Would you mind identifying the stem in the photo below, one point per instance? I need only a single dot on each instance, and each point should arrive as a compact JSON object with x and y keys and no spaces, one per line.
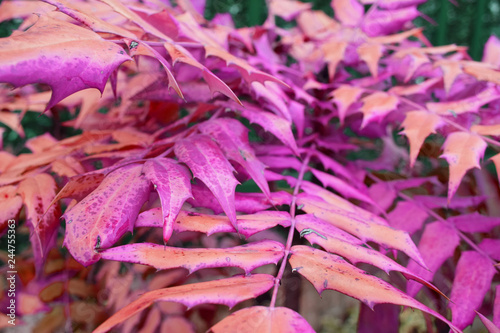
{"x":289,"y":240}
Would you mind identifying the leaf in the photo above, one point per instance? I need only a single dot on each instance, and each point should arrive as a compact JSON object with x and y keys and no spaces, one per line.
{"x":333,"y":53}
{"x":348,"y":12}
{"x":263,"y":319}
{"x":210,"y":224}
{"x":338,"y":242}
{"x":51,"y":47}
{"x":472,"y":281}
{"x":491,"y":247}
{"x":435,"y":249}
{"x":341,"y":186}
{"x":407,"y":216}
{"x":229,"y":291}
{"x":470,"y":104}
{"x":361,"y":225}
{"x":371,"y":53}
{"x":247,"y":257}
{"x":43,"y":219}
{"x":9,"y":206}
{"x":92,"y":21}
{"x":208,"y":164}
{"x":462,"y":150}
{"x":376,"y":106}
{"x":492,"y":328}
{"x":344,"y":96}
{"x":271,"y":123}
{"x":474,"y":222}
{"x":249,"y":73}
{"x":139,"y":48}
{"x":418,"y":125}
{"x":102,"y":217}
{"x":232,"y":138}
{"x":328,"y":271}
{"x":172,"y":182}
{"x":178,"y":53}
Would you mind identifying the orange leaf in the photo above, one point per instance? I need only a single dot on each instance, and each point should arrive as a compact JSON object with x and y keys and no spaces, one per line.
{"x":377,"y":105}
{"x":263,"y":320}
{"x":343,"y":97}
{"x":228,"y":291}
{"x":418,"y":125}
{"x":328,"y":271}
{"x":334,"y":53}
{"x":371,"y":53}
{"x":462,"y":150}
{"x":360,"y":223}
{"x":248,"y":256}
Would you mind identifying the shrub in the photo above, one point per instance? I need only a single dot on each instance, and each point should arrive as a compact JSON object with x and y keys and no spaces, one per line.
{"x":239,"y":159}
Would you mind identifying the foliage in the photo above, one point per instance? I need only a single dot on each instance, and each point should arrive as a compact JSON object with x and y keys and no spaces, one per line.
{"x":225,"y":152}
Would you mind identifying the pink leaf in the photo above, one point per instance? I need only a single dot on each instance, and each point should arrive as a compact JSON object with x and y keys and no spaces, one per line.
{"x":470,"y":104}
{"x":407,"y":216}
{"x":172,"y":182}
{"x":492,"y":328}
{"x":210,"y":224}
{"x":232,"y":137}
{"x":328,"y":271}
{"x":271,"y":123}
{"x":473,"y":277}
{"x":435,"y":249}
{"x":348,"y":12}
{"x":51,"y":47}
{"x":206,"y":161}
{"x":247,"y":257}
{"x":263,"y":319}
{"x":102,"y":217}
{"x":229,"y":291}
{"x":496,"y":307}
{"x":338,"y":242}
{"x":341,"y":186}
{"x":491,"y":247}
{"x":474,"y":222}
{"x":358,"y":223}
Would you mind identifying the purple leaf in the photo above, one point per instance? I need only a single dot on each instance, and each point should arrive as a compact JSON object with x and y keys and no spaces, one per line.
{"x":475,"y":222}
{"x":491,"y":247}
{"x":407,"y":216}
{"x":172,"y":182}
{"x":435,"y":248}
{"x":207,"y":162}
{"x":473,"y":277}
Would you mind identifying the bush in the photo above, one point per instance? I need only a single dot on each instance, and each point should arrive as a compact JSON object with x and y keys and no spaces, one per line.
{"x":244,"y":162}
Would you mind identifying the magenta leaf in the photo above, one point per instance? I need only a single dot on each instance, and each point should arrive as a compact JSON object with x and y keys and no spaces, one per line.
{"x":435,"y":248}
{"x":473,"y":277}
{"x":102,"y":217}
{"x":207,"y":162}
{"x":232,"y":138}
{"x":172,"y":182}
{"x":51,"y":47}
